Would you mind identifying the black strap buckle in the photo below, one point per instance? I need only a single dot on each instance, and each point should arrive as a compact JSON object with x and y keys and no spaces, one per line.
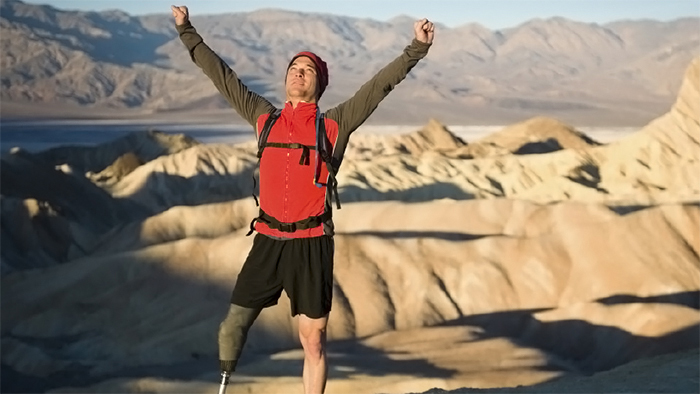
{"x":304,"y":160}
{"x":252,"y":226}
{"x":288,"y":227}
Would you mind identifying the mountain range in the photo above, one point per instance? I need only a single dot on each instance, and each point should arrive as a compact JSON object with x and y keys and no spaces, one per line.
{"x":60,"y":63}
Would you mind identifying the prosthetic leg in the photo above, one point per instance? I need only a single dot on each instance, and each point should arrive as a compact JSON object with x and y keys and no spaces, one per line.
{"x":233,"y":332}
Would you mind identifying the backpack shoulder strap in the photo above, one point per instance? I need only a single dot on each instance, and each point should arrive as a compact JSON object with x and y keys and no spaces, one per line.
{"x":265,"y":132}
{"x":262,"y":141}
{"x":324,"y":152}
{"x":321,"y":146}
{"x":322,"y":142}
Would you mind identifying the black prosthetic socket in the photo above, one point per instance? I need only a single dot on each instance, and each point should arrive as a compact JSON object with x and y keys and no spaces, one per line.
{"x":233,"y":332}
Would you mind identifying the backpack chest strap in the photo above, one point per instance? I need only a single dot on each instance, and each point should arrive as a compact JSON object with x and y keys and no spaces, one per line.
{"x":305,"y":154}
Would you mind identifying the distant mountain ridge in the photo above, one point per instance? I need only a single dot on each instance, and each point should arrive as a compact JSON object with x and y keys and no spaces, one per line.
{"x":624,"y":72}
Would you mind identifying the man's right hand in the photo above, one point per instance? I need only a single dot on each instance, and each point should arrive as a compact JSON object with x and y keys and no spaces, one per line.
{"x":181,"y":14}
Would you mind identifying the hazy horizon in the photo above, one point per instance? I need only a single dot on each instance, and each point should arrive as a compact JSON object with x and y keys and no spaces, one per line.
{"x":494,"y":14}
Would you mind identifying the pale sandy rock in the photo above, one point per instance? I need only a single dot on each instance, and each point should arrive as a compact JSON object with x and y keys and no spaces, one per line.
{"x":536,"y":135}
{"x":180,"y":222}
{"x":199,"y":175}
{"x":120,"y":168}
{"x":432,"y":137}
{"x":539,"y":129}
{"x":657,"y":164}
{"x":666,"y":152}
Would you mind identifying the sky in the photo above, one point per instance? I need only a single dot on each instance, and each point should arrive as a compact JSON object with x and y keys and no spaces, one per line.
{"x":494,"y":14}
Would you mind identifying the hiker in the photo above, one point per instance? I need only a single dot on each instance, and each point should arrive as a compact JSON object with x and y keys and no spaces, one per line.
{"x":300,"y":151}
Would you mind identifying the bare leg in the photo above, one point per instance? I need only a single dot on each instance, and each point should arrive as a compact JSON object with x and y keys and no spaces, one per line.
{"x":312,"y":333}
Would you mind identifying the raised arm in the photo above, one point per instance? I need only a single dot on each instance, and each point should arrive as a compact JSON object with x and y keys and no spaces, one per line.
{"x":353,"y":112}
{"x":248,"y":104}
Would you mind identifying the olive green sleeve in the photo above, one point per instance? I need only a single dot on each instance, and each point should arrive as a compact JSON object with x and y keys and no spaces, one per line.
{"x":248,"y":104}
{"x":352,"y":113}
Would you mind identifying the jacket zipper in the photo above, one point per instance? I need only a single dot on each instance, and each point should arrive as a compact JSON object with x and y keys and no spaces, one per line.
{"x":286,"y":175}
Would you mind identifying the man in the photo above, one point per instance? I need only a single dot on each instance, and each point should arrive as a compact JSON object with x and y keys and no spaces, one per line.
{"x":293,"y":249}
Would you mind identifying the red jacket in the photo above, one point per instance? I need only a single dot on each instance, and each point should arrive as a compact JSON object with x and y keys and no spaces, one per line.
{"x":287,"y":189}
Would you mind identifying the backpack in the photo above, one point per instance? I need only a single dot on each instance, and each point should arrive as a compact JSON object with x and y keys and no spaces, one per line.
{"x":323,"y":149}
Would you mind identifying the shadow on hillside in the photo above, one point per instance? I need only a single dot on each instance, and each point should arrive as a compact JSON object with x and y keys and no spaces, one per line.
{"x":106,"y":144}
{"x":589,"y":347}
{"x":623,"y":210}
{"x":443,"y":235}
{"x":690,"y":299}
{"x":346,"y":358}
{"x":435,"y":191}
{"x":162,"y":191}
{"x":63,"y":203}
{"x":539,"y":147}
{"x":24,"y":176}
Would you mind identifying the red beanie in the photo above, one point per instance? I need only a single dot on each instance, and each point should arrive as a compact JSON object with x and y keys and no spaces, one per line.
{"x":321,"y":70}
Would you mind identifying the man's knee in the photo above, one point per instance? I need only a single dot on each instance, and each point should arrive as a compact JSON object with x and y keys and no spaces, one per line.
{"x":313,"y":341}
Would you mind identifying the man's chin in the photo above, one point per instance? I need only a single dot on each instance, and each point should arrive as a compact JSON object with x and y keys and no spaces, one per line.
{"x":292,"y":92}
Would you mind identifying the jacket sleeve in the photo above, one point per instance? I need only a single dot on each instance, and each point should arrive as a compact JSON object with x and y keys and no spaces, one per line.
{"x":248,"y":104}
{"x":352,"y":113}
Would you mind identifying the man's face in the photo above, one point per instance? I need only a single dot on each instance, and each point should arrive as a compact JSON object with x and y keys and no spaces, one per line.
{"x":301,"y":80}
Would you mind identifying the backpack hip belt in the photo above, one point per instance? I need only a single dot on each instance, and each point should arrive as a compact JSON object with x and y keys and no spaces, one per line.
{"x":289,"y":227}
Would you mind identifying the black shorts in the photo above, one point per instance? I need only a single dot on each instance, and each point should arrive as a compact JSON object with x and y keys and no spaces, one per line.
{"x":303,"y":267}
